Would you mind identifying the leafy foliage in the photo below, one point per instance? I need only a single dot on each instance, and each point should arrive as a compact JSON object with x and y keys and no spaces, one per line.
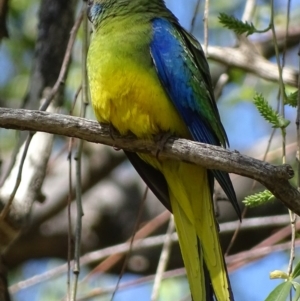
{"x":269,"y":113}
{"x":292,"y":99}
{"x":238,"y":26}
{"x":258,"y":199}
{"x":283,"y":290}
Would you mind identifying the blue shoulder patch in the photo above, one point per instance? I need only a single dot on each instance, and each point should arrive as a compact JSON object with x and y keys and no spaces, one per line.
{"x":173,"y":67}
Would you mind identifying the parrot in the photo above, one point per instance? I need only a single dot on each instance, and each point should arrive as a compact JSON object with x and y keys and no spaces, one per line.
{"x":148,"y":76}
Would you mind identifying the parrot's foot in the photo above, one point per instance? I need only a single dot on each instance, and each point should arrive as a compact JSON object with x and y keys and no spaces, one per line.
{"x":112,"y":130}
{"x":162,"y":140}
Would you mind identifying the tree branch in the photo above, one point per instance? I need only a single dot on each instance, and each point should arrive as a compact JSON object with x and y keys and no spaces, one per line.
{"x":252,"y":62}
{"x":275,"y":178}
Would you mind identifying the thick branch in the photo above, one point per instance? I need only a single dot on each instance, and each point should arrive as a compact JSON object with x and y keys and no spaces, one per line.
{"x":275,"y":178}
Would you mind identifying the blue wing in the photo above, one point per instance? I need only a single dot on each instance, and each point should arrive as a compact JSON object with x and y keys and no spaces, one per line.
{"x":184,"y":73}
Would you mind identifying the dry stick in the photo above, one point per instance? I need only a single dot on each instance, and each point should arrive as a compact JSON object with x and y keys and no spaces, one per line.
{"x":69,"y":200}
{"x":137,"y":223}
{"x":293,"y":216}
{"x":163,"y":261}
{"x":194,"y":16}
{"x":247,"y":16}
{"x":78,"y":157}
{"x":249,"y":10}
{"x":236,"y":232}
{"x":181,"y":272}
{"x":283,"y":100}
{"x":5,"y":210}
{"x":222,"y":81}
{"x":145,"y":231}
{"x":297,"y":124}
{"x":143,"y":280}
{"x":271,"y":240}
{"x":205,"y":20}
{"x":64,"y":67}
{"x":116,"y":252}
{"x":248,"y":256}
{"x":275,"y":178}
{"x":79,"y":211}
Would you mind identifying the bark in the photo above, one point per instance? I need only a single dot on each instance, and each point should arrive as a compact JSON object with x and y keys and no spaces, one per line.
{"x":275,"y":178}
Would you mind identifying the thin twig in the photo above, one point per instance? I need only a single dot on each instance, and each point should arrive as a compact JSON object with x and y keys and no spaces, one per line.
{"x":195,"y":16}
{"x":205,"y":20}
{"x":69,"y":220}
{"x":6,"y":208}
{"x":163,"y":261}
{"x":271,"y":240}
{"x":96,"y":256}
{"x":293,"y":216}
{"x":143,"y":280}
{"x":78,"y":157}
{"x":280,"y":71}
{"x":252,"y":255}
{"x":79,"y":211}
{"x":249,"y":10}
{"x":240,"y":259}
{"x":236,"y":232}
{"x":70,"y":196}
{"x":145,"y":231}
{"x":283,"y":100}
{"x":135,"y":230}
{"x":297,"y":125}
{"x":64,"y":68}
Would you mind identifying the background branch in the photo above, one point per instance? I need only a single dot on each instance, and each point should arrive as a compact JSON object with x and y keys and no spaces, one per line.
{"x":249,"y":61}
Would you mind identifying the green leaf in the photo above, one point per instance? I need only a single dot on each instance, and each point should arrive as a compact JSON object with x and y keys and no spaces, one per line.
{"x":296,"y":271}
{"x":258,"y":199}
{"x":236,"y":25}
{"x":268,"y":113}
{"x":292,"y":99}
{"x":297,"y":289}
{"x":281,"y":292}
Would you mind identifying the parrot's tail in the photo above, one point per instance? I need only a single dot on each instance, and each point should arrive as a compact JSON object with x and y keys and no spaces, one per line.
{"x":192,"y":206}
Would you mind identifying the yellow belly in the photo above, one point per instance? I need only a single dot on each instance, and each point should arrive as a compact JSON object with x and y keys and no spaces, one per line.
{"x":132,"y":99}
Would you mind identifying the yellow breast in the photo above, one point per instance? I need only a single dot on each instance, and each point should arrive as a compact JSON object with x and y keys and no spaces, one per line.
{"x":130,"y":96}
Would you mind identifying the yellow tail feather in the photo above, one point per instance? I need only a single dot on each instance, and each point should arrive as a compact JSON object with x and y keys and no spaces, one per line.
{"x":194,"y":215}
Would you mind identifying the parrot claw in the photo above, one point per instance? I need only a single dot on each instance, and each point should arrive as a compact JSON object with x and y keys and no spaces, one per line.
{"x":112,"y":130}
{"x":162,"y":140}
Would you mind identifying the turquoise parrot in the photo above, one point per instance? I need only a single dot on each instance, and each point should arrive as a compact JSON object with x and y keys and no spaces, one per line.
{"x":149,"y":76}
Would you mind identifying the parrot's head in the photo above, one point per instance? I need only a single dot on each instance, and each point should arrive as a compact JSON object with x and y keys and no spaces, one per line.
{"x":99,"y":10}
